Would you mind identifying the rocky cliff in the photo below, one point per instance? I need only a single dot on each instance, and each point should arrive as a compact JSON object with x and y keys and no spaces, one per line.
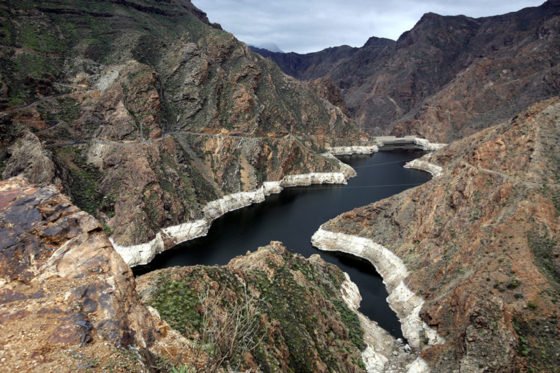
{"x":143,"y":112}
{"x":67,"y":300}
{"x":448,"y":77}
{"x":288,"y":312}
{"x":473,"y":254}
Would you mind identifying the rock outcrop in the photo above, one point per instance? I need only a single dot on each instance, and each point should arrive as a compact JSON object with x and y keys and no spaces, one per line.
{"x":476,"y":248}
{"x":272,"y":310}
{"x":144,"y":113}
{"x":448,"y":77}
{"x":67,"y":300}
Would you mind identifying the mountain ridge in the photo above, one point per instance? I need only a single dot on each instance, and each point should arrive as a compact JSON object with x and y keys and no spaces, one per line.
{"x":417,"y":84}
{"x":480,"y":245}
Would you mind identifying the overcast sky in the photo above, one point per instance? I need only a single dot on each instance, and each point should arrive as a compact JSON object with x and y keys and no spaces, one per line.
{"x":311,"y":25}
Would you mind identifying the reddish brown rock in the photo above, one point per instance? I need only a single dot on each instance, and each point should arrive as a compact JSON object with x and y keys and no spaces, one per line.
{"x":481,"y":244}
{"x":446,"y":78}
{"x":67,"y":300}
{"x":270,"y":310}
{"x":150,"y":112}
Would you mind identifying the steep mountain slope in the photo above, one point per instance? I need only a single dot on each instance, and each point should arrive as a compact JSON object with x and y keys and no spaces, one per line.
{"x":69,"y":303}
{"x":143,"y":112}
{"x":480,"y":245}
{"x":312,"y":65}
{"x":447,"y":77}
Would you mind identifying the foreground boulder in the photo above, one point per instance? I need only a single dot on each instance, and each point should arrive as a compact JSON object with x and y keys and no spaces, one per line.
{"x":67,"y":299}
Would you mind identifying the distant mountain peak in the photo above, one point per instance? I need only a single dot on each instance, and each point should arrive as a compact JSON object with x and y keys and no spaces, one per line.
{"x":430,"y":15}
{"x":375,"y":41}
{"x":425,"y":81}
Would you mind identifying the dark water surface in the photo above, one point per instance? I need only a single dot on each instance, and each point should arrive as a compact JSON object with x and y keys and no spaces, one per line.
{"x":294,"y":215}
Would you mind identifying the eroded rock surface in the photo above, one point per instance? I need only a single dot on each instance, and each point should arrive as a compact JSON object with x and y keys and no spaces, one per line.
{"x":290,"y":312}
{"x":480,"y":245}
{"x":143,"y":112}
{"x":67,"y":299}
{"x":68,"y":302}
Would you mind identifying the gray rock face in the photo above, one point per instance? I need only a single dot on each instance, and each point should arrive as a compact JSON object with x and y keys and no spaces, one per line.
{"x":29,"y":158}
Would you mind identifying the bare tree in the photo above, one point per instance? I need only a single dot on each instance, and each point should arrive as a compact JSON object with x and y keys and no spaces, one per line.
{"x":229,"y":329}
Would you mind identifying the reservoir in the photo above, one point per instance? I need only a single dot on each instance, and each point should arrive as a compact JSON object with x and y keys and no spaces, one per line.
{"x":294,"y":215}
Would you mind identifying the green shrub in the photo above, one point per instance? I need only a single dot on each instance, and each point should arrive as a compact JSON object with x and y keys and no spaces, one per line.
{"x":545,"y":252}
{"x":177,"y":304}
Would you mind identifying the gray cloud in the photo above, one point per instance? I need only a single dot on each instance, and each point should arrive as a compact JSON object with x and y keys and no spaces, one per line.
{"x":311,"y":25}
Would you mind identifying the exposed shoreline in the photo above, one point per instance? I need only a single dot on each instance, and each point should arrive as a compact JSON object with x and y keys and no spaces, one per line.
{"x":383,"y":351}
{"x":423,"y":165}
{"x":401,"y":299}
{"x":353,"y":150}
{"x":168,"y":237}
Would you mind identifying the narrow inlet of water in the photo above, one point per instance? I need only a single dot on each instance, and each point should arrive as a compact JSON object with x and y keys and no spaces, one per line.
{"x":294,"y":215}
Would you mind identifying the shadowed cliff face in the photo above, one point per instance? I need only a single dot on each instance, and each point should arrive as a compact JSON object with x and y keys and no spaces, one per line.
{"x":481,"y":245}
{"x":447,"y":77}
{"x":143,"y":112}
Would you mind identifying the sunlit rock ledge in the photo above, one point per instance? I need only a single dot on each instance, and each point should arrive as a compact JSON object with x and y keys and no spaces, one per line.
{"x":402,"y":300}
